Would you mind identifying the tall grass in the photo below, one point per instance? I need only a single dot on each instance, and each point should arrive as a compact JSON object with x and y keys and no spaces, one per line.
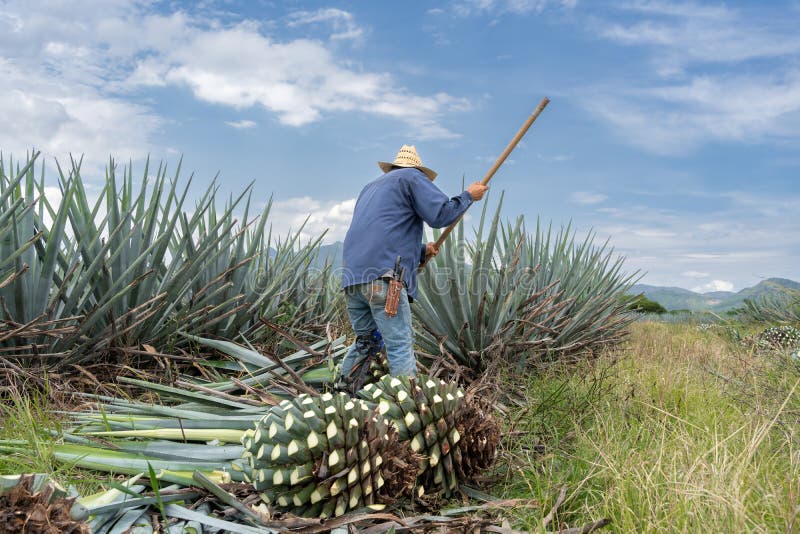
{"x":666,"y":447}
{"x":28,"y":423}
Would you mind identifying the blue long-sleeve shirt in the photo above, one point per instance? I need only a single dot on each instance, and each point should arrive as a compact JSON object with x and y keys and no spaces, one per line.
{"x":387,"y":222}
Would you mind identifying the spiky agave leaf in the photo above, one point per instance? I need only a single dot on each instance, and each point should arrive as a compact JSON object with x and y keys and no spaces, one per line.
{"x":263,"y":371}
{"x":32,"y":257}
{"x":322,"y":456}
{"x":518,"y":295}
{"x":455,"y":436}
{"x":13,"y":207}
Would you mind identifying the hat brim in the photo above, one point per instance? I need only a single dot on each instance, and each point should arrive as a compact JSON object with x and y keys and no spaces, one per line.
{"x":386,"y":167}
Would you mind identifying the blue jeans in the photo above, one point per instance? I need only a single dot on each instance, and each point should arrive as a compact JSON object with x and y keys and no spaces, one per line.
{"x":365,"y":303}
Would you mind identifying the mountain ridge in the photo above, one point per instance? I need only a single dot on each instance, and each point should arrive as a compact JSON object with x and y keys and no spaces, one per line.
{"x":678,"y":298}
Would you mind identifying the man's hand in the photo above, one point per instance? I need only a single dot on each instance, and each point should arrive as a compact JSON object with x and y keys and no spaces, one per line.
{"x":431,"y":250}
{"x":477,"y":190}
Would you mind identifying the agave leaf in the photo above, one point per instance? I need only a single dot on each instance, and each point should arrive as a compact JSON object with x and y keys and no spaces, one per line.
{"x":182,"y":394}
{"x":188,"y":434}
{"x":108,"y":461}
{"x":141,"y":501}
{"x":237,"y":351}
{"x":52,"y":250}
{"x":104,"y":498}
{"x":223,"y":495}
{"x":173,"y":510}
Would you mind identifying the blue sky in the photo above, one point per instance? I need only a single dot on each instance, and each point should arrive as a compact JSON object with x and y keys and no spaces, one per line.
{"x":673,"y":130}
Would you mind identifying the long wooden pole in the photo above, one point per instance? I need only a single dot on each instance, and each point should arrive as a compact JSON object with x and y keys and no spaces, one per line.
{"x":500,"y":160}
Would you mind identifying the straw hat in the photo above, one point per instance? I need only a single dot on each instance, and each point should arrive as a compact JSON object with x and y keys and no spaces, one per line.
{"x":407,"y":157}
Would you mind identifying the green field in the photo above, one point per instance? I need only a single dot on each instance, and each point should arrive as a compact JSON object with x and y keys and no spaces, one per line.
{"x":677,"y":431}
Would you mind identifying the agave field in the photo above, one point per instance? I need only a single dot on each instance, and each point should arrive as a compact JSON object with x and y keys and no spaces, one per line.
{"x":166,"y":354}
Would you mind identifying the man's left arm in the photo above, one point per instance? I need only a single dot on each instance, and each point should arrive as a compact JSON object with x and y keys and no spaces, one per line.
{"x":428,"y":251}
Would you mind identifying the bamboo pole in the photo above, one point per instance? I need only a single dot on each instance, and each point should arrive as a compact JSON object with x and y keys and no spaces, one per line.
{"x":500,"y":160}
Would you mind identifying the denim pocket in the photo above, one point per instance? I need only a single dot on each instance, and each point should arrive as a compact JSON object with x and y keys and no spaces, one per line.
{"x":377,"y":292}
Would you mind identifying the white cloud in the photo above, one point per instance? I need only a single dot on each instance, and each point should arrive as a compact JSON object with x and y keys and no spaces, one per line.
{"x":333,"y":216}
{"x":739,"y":241}
{"x":490,"y":160}
{"x":61,"y":67}
{"x":653,"y":233}
{"x":705,"y":84}
{"x":714,"y":285}
{"x":298,"y":80}
{"x":587,"y":197}
{"x":689,"y":32}
{"x":470,"y":7}
{"x":555,"y":158}
{"x":63,"y":119}
{"x":243,"y":124}
{"x":72,"y":72}
{"x":342,"y":22}
{"x":675,"y":118}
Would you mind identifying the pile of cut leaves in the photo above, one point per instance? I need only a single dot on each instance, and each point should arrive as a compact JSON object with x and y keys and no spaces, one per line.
{"x":271,"y":451}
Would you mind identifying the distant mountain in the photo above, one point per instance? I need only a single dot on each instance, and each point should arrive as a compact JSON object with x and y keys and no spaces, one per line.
{"x":676,"y":298}
{"x":769,"y":285}
{"x":721,"y":295}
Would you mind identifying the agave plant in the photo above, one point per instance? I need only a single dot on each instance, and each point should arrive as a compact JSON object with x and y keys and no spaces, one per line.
{"x":779,"y":307}
{"x":317,"y":297}
{"x":136,"y":265}
{"x":586,"y":284}
{"x":31,"y":258}
{"x":774,"y":338}
{"x":510,"y":293}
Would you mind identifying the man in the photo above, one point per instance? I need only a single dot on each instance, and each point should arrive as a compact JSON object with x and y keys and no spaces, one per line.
{"x":387,"y":223}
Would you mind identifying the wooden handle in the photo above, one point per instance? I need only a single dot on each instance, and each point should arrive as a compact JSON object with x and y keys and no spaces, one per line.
{"x":500,"y":160}
{"x":517,"y":138}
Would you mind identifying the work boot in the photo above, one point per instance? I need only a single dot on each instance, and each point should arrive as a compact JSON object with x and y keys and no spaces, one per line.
{"x":370,"y":345}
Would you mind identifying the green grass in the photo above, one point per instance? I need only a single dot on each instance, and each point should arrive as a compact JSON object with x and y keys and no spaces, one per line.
{"x":27,"y":421}
{"x":681,"y":434}
{"x":23,"y":420}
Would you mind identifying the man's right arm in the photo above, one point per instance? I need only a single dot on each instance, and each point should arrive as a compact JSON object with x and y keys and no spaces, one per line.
{"x":434,"y":207}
